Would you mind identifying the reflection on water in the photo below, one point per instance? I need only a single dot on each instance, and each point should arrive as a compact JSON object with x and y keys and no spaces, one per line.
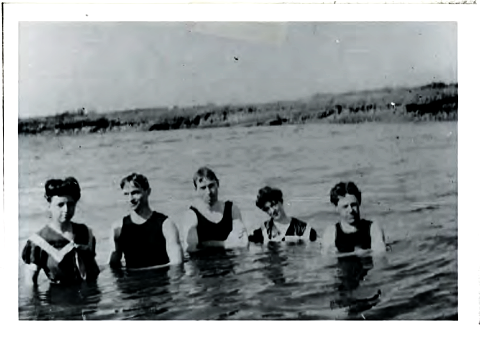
{"x":274,"y":262}
{"x":351,"y":272}
{"x":146,"y":293}
{"x":212,"y":262}
{"x":59,"y":302}
{"x":407,"y":173}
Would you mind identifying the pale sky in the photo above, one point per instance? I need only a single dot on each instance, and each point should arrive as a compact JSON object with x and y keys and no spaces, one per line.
{"x":112,"y":66}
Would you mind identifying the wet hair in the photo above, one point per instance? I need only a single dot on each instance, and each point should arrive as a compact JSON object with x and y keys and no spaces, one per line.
{"x":268,"y":194}
{"x":204,"y":173}
{"x":139,"y":181}
{"x":58,"y":187}
{"x":343,"y":188}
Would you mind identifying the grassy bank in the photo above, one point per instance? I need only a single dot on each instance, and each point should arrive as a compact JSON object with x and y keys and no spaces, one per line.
{"x":432,"y":102}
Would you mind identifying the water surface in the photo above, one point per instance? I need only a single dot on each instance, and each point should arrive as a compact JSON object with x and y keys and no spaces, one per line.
{"x":406,"y":172}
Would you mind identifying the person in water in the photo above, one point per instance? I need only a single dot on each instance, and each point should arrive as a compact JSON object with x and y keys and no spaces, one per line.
{"x":351,"y":233}
{"x":280,"y":226}
{"x":63,"y":249}
{"x":211,"y":222}
{"x":145,"y":238}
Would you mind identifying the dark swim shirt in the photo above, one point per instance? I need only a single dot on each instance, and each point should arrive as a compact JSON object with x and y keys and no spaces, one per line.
{"x":144,"y":245}
{"x":210,"y":231}
{"x":296,"y":228}
{"x":347,"y":242}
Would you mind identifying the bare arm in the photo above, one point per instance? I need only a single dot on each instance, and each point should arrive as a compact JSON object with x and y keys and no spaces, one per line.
{"x":31,"y":274}
{"x":174,"y":249}
{"x":191,"y":239}
{"x":327,"y":241}
{"x":116,"y":255}
{"x":238,"y":236}
{"x":378,"y":244}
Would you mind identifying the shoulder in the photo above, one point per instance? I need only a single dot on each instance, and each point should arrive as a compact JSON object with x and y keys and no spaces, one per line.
{"x":378,"y":240}
{"x":229,"y":203}
{"x":298,"y":222}
{"x":120,"y":221}
{"x":116,"y":227}
{"x":329,"y":231}
{"x":168,"y":221}
{"x":373,"y":225}
{"x":33,"y":249}
{"x":376,"y":229}
{"x":81,"y":228}
{"x":190,"y":217}
{"x":45,"y":232}
{"x":297,"y":227}
{"x":160,"y":217}
{"x":235,"y":209}
{"x":168,"y":226}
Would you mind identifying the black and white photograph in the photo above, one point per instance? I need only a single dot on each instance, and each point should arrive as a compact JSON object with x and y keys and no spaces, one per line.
{"x":251,"y":170}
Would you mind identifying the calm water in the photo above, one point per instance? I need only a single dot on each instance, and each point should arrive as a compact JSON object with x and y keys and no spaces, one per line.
{"x":407,"y":173}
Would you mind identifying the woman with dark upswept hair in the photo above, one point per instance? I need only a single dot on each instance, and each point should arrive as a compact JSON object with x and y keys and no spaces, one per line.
{"x":63,"y":249}
{"x":280,"y":226}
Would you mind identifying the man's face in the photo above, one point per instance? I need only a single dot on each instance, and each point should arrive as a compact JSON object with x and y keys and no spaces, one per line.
{"x":207,"y":190}
{"x":136,"y":196}
{"x":348,"y":208}
{"x":273,"y":209}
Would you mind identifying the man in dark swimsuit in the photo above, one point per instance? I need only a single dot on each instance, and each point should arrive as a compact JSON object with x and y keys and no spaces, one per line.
{"x":212,"y":222}
{"x":280,"y":227}
{"x":144,"y":237}
{"x":352,"y":233}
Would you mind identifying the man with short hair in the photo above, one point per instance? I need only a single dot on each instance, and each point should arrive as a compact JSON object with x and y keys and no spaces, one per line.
{"x":145,"y":238}
{"x":352,"y":233}
{"x":211,"y":222}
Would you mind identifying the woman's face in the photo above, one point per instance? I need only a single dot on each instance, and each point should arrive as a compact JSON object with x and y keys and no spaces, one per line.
{"x":274,"y":209}
{"x":62,"y":208}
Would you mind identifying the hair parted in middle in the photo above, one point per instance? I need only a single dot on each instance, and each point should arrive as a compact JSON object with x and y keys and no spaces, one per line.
{"x":204,"y":173}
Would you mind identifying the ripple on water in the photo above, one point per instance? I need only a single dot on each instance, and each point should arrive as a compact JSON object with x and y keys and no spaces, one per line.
{"x":408,"y":182}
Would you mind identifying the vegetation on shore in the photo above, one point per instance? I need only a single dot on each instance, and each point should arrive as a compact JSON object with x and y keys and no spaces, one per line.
{"x":433,"y":102}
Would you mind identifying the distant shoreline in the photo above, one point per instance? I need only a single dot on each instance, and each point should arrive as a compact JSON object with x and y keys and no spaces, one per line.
{"x":433,"y":102}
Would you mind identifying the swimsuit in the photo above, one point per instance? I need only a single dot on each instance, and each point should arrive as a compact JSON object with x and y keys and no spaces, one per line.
{"x":144,"y":245}
{"x":63,"y":260}
{"x":296,"y":228}
{"x":347,"y":242}
{"x":210,"y":231}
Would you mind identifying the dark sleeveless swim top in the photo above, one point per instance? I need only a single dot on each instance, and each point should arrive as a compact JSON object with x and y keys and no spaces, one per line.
{"x":296,"y":228}
{"x":210,"y":231}
{"x":144,"y":245}
{"x":347,"y":242}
